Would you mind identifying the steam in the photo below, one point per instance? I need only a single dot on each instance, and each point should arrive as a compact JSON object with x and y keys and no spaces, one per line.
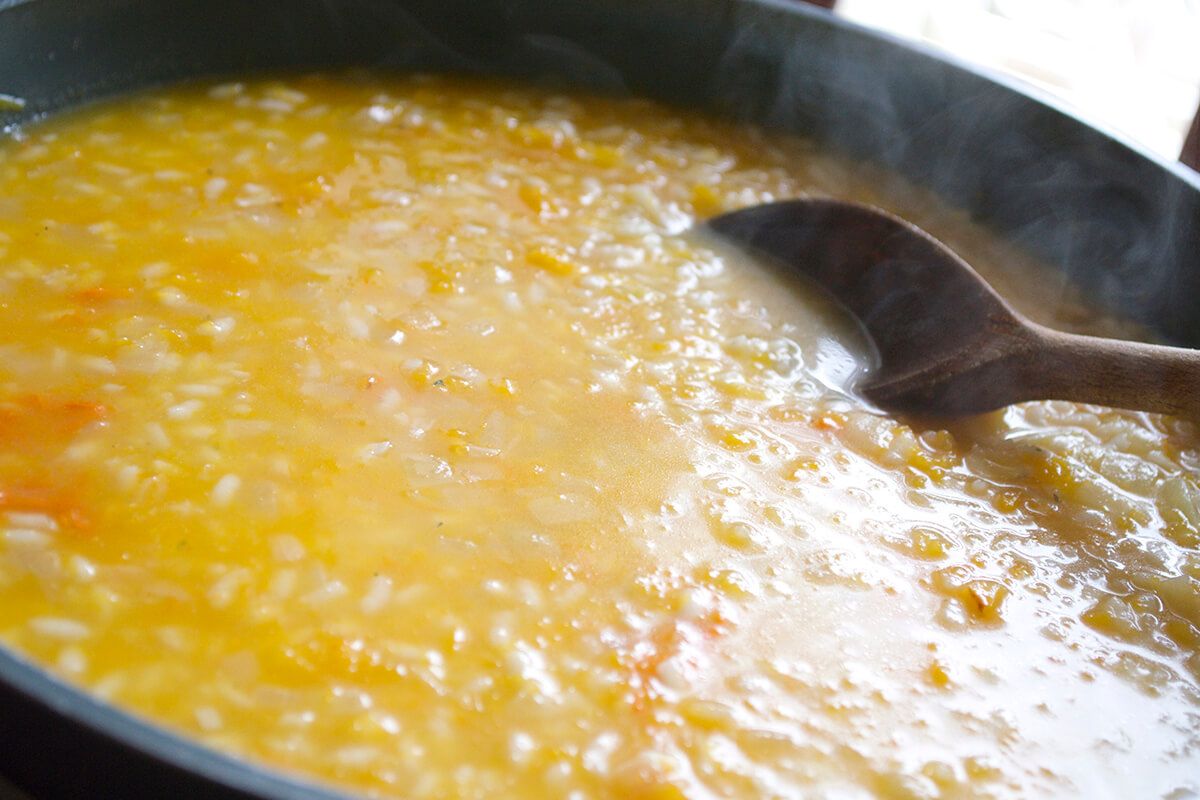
{"x":1115,"y":223}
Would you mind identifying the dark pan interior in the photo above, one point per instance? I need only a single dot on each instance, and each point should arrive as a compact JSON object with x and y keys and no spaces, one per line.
{"x":1120,"y":223}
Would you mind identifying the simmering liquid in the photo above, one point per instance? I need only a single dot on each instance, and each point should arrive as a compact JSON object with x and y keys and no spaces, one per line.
{"x":406,"y":435}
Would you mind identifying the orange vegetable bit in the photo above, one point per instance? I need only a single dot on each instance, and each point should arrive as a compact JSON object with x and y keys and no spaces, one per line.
{"x":98,"y":295}
{"x":664,"y":642}
{"x":35,"y":426}
{"x":36,"y":421}
{"x":62,"y":504}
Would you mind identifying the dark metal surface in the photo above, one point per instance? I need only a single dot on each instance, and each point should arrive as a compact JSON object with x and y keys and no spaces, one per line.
{"x":10,"y":792}
{"x":56,"y":742}
{"x":1123,"y":224}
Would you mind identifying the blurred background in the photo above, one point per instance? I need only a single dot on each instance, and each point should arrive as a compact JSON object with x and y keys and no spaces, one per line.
{"x":1130,"y":66}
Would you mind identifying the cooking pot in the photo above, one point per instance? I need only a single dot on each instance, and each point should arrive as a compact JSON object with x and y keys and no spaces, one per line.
{"x":1122,"y":223}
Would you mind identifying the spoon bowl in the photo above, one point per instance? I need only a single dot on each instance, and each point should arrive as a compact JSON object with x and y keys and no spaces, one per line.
{"x":948,"y":344}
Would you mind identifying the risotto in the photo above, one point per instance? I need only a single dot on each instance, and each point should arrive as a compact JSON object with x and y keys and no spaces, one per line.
{"x":406,"y":435}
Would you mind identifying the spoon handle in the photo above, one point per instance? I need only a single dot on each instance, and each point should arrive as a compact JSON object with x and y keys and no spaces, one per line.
{"x":1116,"y":373}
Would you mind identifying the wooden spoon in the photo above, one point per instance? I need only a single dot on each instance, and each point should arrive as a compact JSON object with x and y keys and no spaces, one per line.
{"x":947,"y":343}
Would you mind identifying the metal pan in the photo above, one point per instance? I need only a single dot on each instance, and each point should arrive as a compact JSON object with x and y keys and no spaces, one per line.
{"x":1122,"y":223}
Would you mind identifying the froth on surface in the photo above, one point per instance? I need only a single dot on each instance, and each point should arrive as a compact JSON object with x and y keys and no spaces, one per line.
{"x":404,"y":434}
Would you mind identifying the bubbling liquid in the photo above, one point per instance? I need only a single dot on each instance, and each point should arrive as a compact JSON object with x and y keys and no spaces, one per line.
{"x":405,"y":434}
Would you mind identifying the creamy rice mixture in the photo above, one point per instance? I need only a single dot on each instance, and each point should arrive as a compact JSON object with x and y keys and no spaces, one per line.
{"x":403,"y":433}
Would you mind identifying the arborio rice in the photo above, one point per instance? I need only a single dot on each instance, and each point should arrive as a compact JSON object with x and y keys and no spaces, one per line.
{"x":404,"y":434}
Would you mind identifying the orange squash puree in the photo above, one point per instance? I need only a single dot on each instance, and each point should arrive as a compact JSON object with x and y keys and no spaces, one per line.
{"x":404,"y":434}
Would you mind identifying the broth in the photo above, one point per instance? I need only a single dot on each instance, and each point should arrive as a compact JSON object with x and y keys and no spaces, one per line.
{"x":403,"y":433}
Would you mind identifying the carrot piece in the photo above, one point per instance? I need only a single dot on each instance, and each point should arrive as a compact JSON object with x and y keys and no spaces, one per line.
{"x":95,"y":295}
{"x":37,"y":426}
{"x":35,"y":420}
{"x":61,"y":504}
{"x":664,"y":642}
